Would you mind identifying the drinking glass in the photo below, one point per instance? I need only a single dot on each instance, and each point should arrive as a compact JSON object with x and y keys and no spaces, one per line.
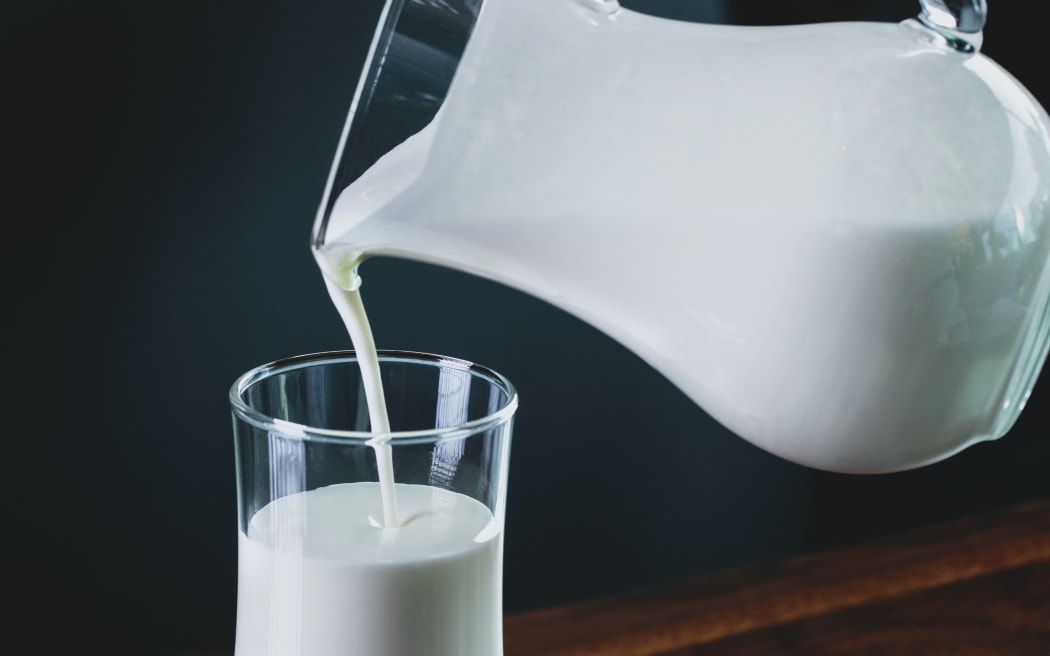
{"x":325,"y":567}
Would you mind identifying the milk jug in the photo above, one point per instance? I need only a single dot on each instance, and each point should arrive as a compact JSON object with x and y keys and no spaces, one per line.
{"x":835,"y":238}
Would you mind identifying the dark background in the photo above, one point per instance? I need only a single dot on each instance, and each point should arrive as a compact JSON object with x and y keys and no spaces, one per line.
{"x":168,"y":160}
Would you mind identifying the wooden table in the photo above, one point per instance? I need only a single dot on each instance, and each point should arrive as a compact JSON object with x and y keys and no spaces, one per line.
{"x":976,"y":586}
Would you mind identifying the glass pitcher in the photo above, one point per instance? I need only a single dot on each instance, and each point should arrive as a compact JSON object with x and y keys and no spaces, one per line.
{"x":835,"y":238}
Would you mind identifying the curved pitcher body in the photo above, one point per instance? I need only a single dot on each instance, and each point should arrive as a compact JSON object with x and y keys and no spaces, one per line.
{"x":834,"y":238}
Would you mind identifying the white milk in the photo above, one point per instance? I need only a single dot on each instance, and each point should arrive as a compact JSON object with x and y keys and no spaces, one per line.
{"x":834,"y":238}
{"x":317,"y":577}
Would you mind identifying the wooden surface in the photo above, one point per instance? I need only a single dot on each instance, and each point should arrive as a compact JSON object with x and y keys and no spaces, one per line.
{"x":978,"y":586}
{"x":975,"y":586}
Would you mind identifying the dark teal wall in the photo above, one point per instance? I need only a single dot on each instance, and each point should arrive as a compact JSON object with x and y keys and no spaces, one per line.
{"x":174,"y":155}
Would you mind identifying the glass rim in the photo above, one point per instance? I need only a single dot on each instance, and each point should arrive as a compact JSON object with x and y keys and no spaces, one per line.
{"x":312,"y":433}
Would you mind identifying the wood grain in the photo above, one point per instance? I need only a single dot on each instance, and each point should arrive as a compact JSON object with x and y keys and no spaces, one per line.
{"x":979,"y":585}
{"x":1004,"y":613}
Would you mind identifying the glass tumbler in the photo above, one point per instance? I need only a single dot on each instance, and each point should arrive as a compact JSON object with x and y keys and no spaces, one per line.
{"x":335,"y":560}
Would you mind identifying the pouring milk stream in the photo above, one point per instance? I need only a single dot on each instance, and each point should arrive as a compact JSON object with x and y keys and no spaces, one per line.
{"x":834,"y":238}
